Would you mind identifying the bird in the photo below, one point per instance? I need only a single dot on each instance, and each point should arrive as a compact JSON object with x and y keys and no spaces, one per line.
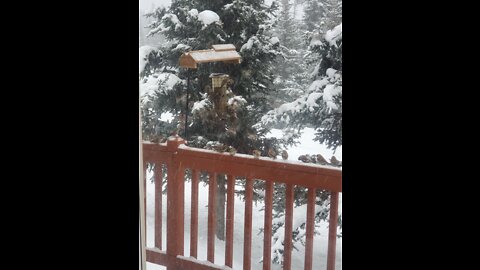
{"x":321,"y":159}
{"x":208,"y":89}
{"x":256,"y":154}
{"x":232,"y":150}
{"x":303,"y":158}
{"x":335,"y":161}
{"x":220,"y":148}
{"x":272,"y":153}
{"x":284,"y":155}
{"x":156,"y":139}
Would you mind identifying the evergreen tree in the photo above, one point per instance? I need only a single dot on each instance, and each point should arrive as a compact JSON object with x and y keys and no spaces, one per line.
{"x":192,"y":25}
{"x":322,"y":15}
{"x":290,"y":71}
{"x":313,"y":14}
{"x":319,"y":107}
{"x":333,"y":14}
{"x":321,"y":104}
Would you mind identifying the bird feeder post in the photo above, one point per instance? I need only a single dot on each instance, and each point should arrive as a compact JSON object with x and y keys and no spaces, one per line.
{"x":186,"y":103}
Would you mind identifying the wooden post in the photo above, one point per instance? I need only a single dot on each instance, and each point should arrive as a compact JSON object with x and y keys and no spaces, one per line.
{"x":175,"y":201}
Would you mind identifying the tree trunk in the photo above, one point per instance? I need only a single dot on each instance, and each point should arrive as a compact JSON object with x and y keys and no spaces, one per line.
{"x":220,"y":207}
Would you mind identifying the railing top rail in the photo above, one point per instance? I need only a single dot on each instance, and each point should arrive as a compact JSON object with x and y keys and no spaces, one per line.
{"x":261,"y":161}
{"x":305,"y":174}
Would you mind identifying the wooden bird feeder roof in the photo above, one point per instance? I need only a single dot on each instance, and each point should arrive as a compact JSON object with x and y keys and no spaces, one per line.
{"x":219,"y":53}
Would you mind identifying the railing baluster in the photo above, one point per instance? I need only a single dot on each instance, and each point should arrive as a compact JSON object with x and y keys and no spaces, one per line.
{"x":267,"y":232}
{"x":211,"y":217}
{"x":158,"y":205}
{"x":194,"y":216}
{"x":287,"y":242}
{"x":247,"y":236}
{"x":310,"y":228}
{"x":332,"y":231}
{"x":230,"y":220}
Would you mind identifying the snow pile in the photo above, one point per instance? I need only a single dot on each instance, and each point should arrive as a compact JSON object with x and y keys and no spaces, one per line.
{"x":249,"y":44}
{"x":193,"y":12}
{"x":208,"y":17}
{"x":148,"y":86}
{"x":163,"y":82}
{"x":317,"y":85}
{"x":305,"y":102}
{"x":182,"y":47}
{"x":274,"y":40}
{"x":316,"y":40}
{"x":329,"y":93}
{"x":220,"y":38}
{"x":236,"y":101}
{"x":227,"y":6}
{"x":159,"y":28}
{"x":201,"y":105}
{"x":331,"y":72}
{"x":143,"y":53}
{"x":169,"y":80}
{"x":333,"y":35}
{"x":312,"y":100}
{"x":174,"y":19}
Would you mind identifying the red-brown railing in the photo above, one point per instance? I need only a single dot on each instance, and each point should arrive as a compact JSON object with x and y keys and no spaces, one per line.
{"x":177,"y":157}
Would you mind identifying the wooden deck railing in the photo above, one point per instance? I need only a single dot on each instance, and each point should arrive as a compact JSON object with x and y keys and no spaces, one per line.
{"x":177,"y":157}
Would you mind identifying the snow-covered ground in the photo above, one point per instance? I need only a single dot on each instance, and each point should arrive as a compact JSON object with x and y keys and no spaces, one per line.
{"x":307,"y":146}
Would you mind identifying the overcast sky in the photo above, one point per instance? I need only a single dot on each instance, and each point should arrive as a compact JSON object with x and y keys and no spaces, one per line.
{"x":146,"y":4}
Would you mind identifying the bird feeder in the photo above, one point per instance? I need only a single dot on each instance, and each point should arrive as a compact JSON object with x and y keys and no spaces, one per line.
{"x":218,"y":80}
{"x":219,"y":53}
{"x":225,"y":53}
{"x":220,"y":83}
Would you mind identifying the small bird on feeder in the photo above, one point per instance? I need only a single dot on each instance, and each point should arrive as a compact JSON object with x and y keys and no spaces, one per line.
{"x":272,"y":153}
{"x":256,"y":154}
{"x":284,"y":155}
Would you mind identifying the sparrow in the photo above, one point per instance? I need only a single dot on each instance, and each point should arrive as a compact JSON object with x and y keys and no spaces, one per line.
{"x":156,"y":139}
{"x":272,"y":153}
{"x":232,"y":150}
{"x":220,"y":148}
{"x":284,"y":155}
{"x":303,"y":158}
{"x":321,"y":159}
{"x":256,"y":154}
{"x":335,"y":161}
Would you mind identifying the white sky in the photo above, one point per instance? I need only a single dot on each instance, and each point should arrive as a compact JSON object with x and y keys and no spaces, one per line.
{"x":147,"y":4}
